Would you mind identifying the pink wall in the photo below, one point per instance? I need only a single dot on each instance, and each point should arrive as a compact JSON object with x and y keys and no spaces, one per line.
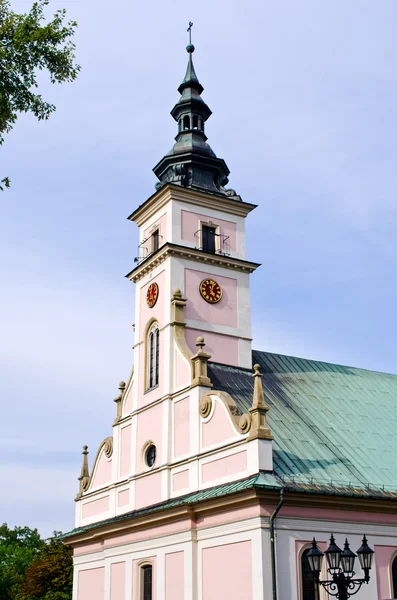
{"x":383,"y":558}
{"x":91,"y":584}
{"x":180,"y":481}
{"x":222,"y":313}
{"x":117,"y":581}
{"x":227,"y":572}
{"x":149,"y":427}
{"x":234,"y":516}
{"x":230,"y":465}
{"x":182,"y":427}
{"x":123,"y":498}
{"x":174,"y":576}
{"x":125,"y":457}
{"x":183,"y":372}
{"x":96,"y":507}
{"x":219,"y":428}
{"x":148,"y":490}
{"x":161,"y":224}
{"x":337,"y":515}
{"x":127,"y":403}
{"x":222,"y":348}
{"x":87,"y":548}
{"x":191,"y":223}
{"x":103,"y":471}
{"x":148,"y":533}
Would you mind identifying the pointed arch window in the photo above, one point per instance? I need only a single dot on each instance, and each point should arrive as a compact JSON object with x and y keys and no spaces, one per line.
{"x":394,"y":576}
{"x":153,"y":356}
{"x":309,"y":590}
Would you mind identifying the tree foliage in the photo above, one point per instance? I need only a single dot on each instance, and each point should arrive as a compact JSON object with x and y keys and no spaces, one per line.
{"x":50,"y":576}
{"x":32,"y":568}
{"x":29,"y":44}
{"x":18,"y":548}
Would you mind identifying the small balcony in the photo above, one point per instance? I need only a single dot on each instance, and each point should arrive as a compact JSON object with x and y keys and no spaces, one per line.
{"x":209,"y":240}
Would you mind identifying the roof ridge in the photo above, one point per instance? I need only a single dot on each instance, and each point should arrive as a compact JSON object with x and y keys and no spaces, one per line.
{"x":324,"y":362}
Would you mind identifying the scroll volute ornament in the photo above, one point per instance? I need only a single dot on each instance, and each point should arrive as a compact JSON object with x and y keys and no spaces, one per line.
{"x":108,"y":447}
{"x":241,"y":421}
{"x":205,"y":406}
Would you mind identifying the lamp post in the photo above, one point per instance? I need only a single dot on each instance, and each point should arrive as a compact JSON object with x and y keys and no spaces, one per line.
{"x":340,"y":567}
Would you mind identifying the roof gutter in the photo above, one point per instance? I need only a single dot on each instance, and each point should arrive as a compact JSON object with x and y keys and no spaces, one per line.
{"x":272,"y":543}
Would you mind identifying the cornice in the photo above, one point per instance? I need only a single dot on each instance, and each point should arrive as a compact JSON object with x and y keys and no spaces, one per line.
{"x":169,"y":249}
{"x":167,"y":516}
{"x":187,"y":195}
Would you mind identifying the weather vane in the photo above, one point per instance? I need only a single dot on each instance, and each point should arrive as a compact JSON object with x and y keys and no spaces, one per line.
{"x":190,"y":31}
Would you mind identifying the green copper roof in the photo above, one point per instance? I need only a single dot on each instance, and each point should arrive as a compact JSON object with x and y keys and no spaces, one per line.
{"x":334,"y":427}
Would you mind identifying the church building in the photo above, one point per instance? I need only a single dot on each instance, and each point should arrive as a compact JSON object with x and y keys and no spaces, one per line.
{"x":225,"y":462}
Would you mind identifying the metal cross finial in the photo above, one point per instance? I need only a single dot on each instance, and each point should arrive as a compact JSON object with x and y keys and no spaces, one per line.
{"x":190,"y":31}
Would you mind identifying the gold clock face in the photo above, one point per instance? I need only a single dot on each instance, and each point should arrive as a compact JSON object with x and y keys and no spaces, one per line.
{"x":152,"y":294}
{"x":211,"y":291}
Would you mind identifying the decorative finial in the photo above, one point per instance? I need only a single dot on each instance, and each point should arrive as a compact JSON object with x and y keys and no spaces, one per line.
{"x":84,"y":478}
{"x":122,"y":386}
{"x":200,"y":342}
{"x":177,"y":293}
{"x":258,"y":410}
{"x":190,"y":47}
{"x":199,"y":361}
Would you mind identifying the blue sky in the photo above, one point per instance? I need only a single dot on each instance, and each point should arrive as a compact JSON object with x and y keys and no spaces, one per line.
{"x":303,"y":96}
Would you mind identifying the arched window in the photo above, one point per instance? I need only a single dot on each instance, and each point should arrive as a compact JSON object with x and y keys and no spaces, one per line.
{"x":153,"y":355}
{"x":394,"y":576}
{"x":309,"y":588}
{"x":186,"y":122}
{"x":147,"y":582}
{"x":195,"y":122}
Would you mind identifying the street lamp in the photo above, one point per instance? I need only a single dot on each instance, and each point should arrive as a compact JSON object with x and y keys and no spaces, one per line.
{"x":340,"y":567}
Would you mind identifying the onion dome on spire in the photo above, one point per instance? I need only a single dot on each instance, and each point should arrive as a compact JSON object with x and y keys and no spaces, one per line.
{"x":191,"y":162}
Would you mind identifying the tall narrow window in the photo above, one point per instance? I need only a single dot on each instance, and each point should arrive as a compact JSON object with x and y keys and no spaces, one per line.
{"x":208,"y":238}
{"x":155,"y":240}
{"x":195,"y":122}
{"x":147,"y":582}
{"x":153,"y":356}
{"x":186,"y":122}
{"x":394,"y":576}
{"x":309,"y":588}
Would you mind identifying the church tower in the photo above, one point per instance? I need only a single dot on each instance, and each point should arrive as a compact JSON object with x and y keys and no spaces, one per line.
{"x":192,"y":239}
{"x":175,"y":434}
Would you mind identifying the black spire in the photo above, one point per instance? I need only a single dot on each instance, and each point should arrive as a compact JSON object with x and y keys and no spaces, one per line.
{"x":191,"y":162}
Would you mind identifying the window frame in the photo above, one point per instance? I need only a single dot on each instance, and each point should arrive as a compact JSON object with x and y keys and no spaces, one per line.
{"x":217,"y":228}
{"x":140,"y":577}
{"x":393,"y":558}
{"x":152,"y":358}
{"x":155,"y":236}
{"x":322,"y":595}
